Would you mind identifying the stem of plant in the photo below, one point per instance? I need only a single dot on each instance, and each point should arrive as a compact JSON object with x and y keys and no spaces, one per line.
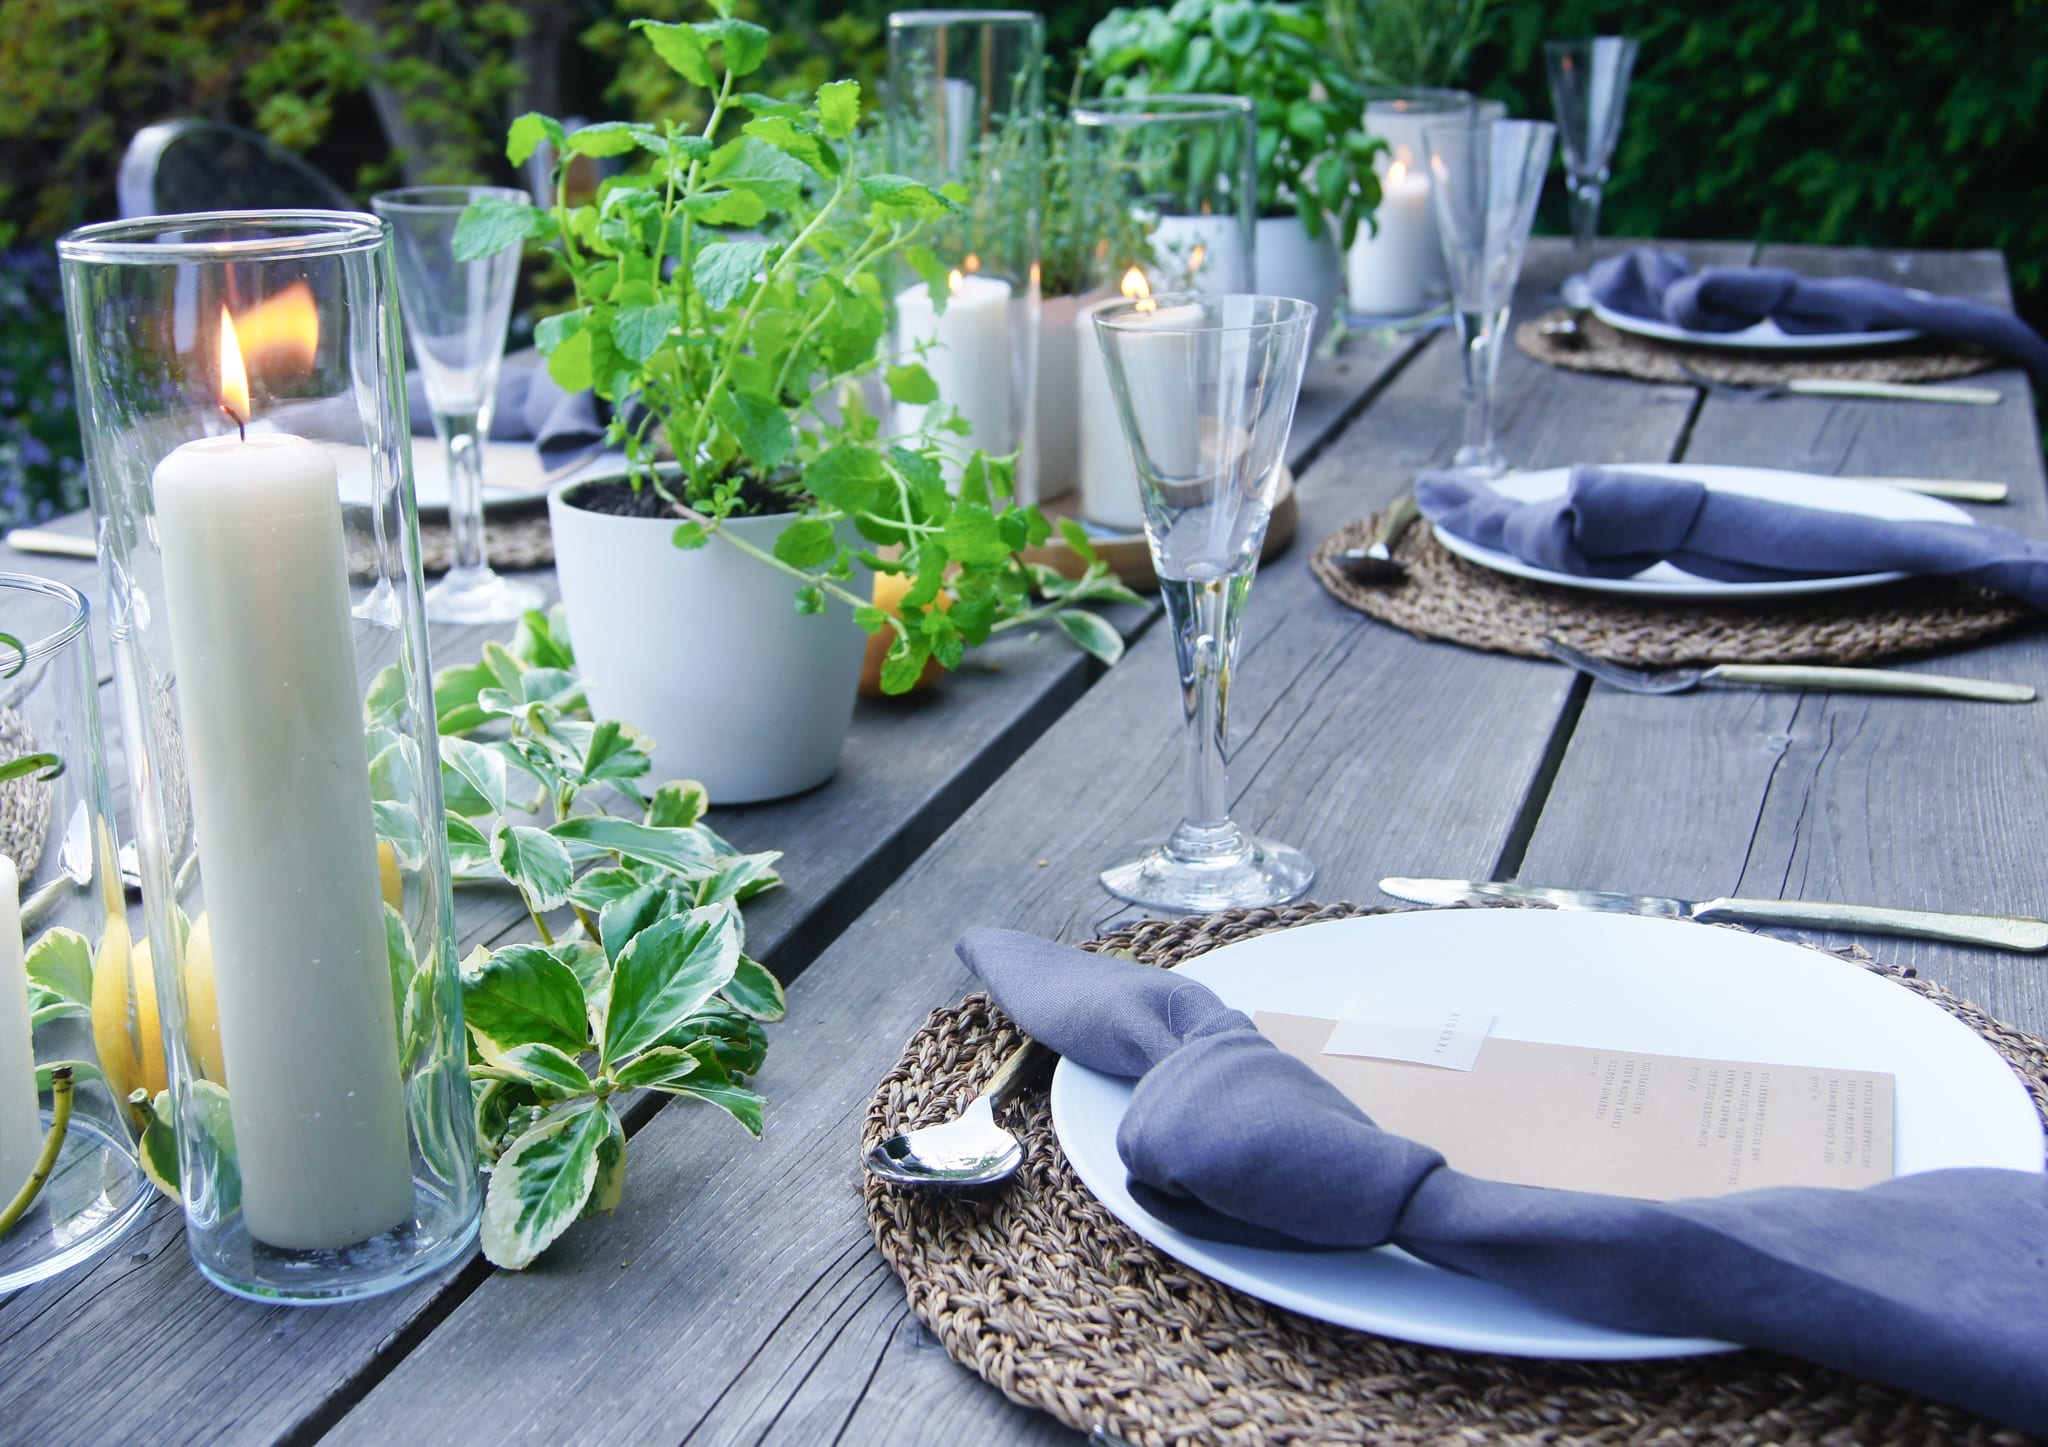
{"x":53,"y":1143}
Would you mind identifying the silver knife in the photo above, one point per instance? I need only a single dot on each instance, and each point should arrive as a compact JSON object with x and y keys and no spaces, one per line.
{"x":45,"y":540}
{"x":1893,"y":391}
{"x":2000,"y":932}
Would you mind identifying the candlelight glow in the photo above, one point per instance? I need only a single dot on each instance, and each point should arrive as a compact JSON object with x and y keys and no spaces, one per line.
{"x":1397,"y":173}
{"x":282,"y":330}
{"x":972,"y":264}
{"x":1135,"y":285}
{"x":954,"y":281}
{"x":1196,"y":257}
{"x":234,"y":377}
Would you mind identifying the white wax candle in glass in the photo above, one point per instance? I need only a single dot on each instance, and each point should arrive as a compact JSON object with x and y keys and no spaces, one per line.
{"x":1387,"y":270}
{"x":256,"y":587}
{"x":1202,"y":254}
{"x":21,"y":1120}
{"x":969,"y":357}
{"x":1108,"y":481}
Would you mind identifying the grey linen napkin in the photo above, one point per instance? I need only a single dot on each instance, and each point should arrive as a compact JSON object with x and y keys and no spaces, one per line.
{"x":1613,"y":523}
{"x":1935,"y":1282}
{"x":531,"y":407}
{"x":1662,"y":286}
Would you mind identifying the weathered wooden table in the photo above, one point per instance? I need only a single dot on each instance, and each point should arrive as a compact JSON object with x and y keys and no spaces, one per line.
{"x":737,"y":1296}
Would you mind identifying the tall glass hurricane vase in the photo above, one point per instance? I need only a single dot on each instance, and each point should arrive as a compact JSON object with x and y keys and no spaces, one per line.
{"x":68,"y":966}
{"x":1206,"y":387}
{"x":964,"y":108}
{"x":1588,"y":89}
{"x":456,"y":313}
{"x":239,"y":375}
{"x":1486,"y":179}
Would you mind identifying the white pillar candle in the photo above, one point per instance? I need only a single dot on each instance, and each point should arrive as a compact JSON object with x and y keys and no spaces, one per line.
{"x":21,"y":1119}
{"x":1201,"y":253}
{"x":1160,"y":373}
{"x":969,"y":358}
{"x":1387,"y":270}
{"x":1107,"y":480}
{"x":1055,"y":421}
{"x":256,"y":588}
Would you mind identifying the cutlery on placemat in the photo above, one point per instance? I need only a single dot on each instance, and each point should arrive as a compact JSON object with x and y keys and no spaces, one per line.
{"x":1960,"y":489}
{"x":45,"y":540}
{"x":970,"y":1149}
{"x":1788,"y":675}
{"x":1839,"y":387}
{"x":1375,"y":562}
{"x":1999,"y":931}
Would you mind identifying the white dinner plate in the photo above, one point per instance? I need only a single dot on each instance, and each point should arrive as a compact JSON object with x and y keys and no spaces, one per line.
{"x":1595,"y":980}
{"x":1662,"y":580}
{"x":1765,"y":336}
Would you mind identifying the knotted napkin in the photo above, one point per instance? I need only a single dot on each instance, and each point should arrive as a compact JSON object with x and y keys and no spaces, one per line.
{"x":1661,"y":286}
{"x":1612,"y":523}
{"x":1935,"y":1282}
{"x":531,"y":407}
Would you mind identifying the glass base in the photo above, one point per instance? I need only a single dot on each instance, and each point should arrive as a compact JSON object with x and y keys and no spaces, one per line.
{"x":1158,"y":876}
{"x":242,"y":1266}
{"x":1578,"y":290}
{"x":1479,"y":462}
{"x":96,"y":1194}
{"x":478,"y":595}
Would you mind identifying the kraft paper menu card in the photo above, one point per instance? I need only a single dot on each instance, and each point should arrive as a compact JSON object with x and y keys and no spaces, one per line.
{"x":1625,"y":1123}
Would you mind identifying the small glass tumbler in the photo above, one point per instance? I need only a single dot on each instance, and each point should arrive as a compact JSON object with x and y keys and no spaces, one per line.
{"x":67,"y":998}
{"x":1164,"y":198}
{"x":964,"y":106}
{"x":241,"y":397}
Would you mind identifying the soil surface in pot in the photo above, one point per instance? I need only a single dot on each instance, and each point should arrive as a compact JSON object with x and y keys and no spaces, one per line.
{"x":615,"y":497}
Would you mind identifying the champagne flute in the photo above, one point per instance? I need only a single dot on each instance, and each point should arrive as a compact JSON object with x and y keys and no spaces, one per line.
{"x":1588,"y":88}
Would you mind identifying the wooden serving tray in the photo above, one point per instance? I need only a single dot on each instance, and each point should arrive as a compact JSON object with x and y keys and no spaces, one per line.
{"x":1130,"y":558}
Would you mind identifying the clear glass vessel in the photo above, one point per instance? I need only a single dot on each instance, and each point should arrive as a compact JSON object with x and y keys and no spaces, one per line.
{"x":240,"y":383}
{"x":964,"y":106}
{"x":1588,"y":91}
{"x":67,"y":959}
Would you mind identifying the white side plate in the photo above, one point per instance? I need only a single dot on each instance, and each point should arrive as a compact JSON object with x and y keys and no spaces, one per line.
{"x":1765,"y":336}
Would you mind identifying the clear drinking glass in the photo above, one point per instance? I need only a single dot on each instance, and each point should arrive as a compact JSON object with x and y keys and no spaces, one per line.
{"x":965,"y":104}
{"x":1206,"y":387}
{"x":241,"y":395}
{"x":78,"y":1004}
{"x":1588,"y":88}
{"x":456,"y":313}
{"x":1486,"y":179}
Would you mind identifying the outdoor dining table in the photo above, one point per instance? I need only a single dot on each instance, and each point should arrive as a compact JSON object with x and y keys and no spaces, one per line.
{"x":737,"y":1293}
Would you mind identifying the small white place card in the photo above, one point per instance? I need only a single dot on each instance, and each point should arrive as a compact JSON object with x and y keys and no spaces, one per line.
{"x":1443,"y":1033}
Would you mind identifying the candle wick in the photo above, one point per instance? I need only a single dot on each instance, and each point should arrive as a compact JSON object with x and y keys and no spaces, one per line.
{"x":241,"y":422}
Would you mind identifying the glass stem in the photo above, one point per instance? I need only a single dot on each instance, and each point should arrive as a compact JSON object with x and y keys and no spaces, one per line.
{"x":465,"y":493}
{"x":1204,"y":615}
{"x":1477,"y":333}
{"x":1585,"y":221}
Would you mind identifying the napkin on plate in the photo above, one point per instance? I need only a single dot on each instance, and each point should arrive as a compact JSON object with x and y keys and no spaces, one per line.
{"x":1613,"y":523}
{"x":1936,"y":1282}
{"x":1661,"y":286}
{"x":532,"y":407}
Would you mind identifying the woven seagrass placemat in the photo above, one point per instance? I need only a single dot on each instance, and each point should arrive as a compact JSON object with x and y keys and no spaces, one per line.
{"x":514,"y":542}
{"x":1446,"y":597}
{"x":1040,"y":1291}
{"x":1601,"y":348}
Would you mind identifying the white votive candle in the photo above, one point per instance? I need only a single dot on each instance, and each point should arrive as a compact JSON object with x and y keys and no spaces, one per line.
{"x":969,"y":358}
{"x":1387,"y":270}
{"x":21,"y":1120}
{"x":1204,"y":254}
{"x":1108,"y":482}
{"x":256,"y":589}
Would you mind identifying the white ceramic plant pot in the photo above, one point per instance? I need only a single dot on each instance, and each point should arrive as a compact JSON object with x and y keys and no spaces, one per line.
{"x":1289,"y":262}
{"x":1057,"y":423}
{"x":704,"y":651}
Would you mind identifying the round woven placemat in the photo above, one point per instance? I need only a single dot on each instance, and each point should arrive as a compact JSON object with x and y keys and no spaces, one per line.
{"x":1446,"y":597}
{"x":1603,"y":349}
{"x":516,"y":542}
{"x":1045,"y":1295}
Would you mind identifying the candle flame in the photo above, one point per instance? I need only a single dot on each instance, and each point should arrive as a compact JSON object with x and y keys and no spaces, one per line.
{"x":954,"y":281}
{"x":282,"y":330}
{"x":234,"y":377}
{"x":972,"y":264}
{"x":1136,"y":286}
{"x":1397,"y":173}
{"x":1197,"y":257}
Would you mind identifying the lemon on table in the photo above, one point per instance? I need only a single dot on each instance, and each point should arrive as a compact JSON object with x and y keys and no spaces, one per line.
{"x":126,"y":1027}
{"x":389,"y":881}
{"x":888,"y":596}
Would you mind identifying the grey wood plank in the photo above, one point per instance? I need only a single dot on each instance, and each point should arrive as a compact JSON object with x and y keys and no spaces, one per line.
{"x":218,"y":1369}
{"x":1372,"y":750}
{"x":1899,"y":801}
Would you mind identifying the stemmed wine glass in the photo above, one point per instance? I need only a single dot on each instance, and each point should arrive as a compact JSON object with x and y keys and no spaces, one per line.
{"x":456,"y":313}
{"x":1588,"y":88}
{"x":1488,"y":177}
{"x":1205,"y":388}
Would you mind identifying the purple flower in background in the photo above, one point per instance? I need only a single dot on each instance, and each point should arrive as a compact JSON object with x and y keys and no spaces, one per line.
{"x":40,"y":470}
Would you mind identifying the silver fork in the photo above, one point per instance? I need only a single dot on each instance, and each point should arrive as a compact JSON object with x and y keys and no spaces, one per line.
{"x":1834,"y":387}
{"x":1787,"y":675}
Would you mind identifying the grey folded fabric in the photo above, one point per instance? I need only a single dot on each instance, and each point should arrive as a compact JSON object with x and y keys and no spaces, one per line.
{"x":1936,"y":1282}
{"x":564,"y":427}
{"x":1662,"y":286}
{"x":1612,"y":523}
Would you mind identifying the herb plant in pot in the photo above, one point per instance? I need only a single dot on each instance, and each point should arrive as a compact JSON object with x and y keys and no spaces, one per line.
{"x":1315,"y":171}
{"x":729,"y":305}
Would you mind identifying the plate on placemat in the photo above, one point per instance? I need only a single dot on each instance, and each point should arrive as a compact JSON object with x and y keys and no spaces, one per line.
{"x":1602,"y":981}
{"x":1829,"y":494}
{"x":1765,"y":336}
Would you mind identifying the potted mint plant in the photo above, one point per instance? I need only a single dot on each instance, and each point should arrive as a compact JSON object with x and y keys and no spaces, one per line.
{"x":730,"y":304}
{"x":1316,"y":178}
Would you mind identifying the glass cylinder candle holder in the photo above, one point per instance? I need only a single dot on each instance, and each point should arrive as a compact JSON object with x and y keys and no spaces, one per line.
{"x":963,"y":109}
{"x":67,"y":959}
{"x":1396,"y":269}
{"x":241,"y":396}
{"x":1165,"y":196}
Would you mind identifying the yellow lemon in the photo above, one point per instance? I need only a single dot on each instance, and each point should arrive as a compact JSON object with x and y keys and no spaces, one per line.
{"x":126,"y":1028}
{"x":888,"y":596}
{"x":389,"y":881}
{"x":202,"y":1014}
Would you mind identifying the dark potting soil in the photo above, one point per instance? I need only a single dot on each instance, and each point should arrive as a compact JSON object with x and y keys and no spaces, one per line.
{"x":615,"y":497}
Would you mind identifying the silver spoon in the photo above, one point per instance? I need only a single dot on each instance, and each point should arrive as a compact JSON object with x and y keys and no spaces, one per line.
{"x":970,"y":1149}
{"x":1375,"y":562}
{"x":1568,"y":330}
{"x":1787,"y":675}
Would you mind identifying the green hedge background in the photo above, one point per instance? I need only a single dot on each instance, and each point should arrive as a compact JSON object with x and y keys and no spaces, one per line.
{"x":1834,"y":122}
